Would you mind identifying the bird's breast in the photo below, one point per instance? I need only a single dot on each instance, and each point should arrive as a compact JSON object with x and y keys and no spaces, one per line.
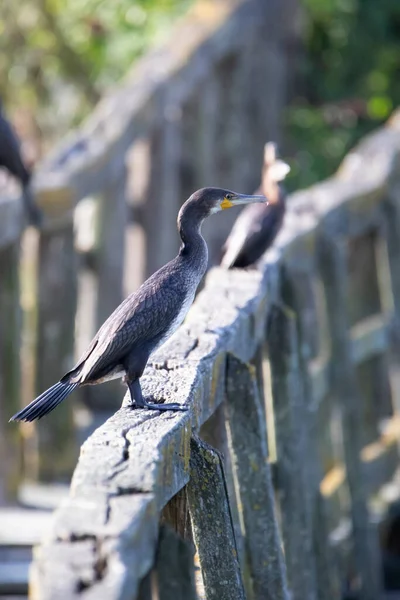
{"x":176,"y":322}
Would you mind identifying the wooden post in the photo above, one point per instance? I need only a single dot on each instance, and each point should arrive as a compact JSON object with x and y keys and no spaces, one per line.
{"x":176,"y":515}
{"x":250,"y":458}
{"x":174,"y":567}
{"x":212,"y":524}
{"x":57,"y":288}
{"x":205,"y":134}
{"x":214,"y":433}
{"x":10,"y":313}
{"x":291,"y":425}
{"x":392,"y":226}
{"x":111,"y":247}
{"x":112,"y":222}
{"x":145,"y":591}
{"x":163,"y":195}
{"x":301,"y":327}
{"x":362,"y":287}
{"x":333,"y":268}
{"x":172,"y":576}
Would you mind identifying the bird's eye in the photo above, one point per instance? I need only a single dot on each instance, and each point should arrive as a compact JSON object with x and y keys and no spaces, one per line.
{"x":228,"y":196}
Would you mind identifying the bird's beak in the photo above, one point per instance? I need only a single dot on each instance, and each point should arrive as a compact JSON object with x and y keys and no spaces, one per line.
{"x":237,"y":199}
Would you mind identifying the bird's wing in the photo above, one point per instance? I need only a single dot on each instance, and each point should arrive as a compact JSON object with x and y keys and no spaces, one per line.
{"x":248,"y":220}
{"x":10,"y":155}
{"x":261,"y":234}
{"x":138,"y":320}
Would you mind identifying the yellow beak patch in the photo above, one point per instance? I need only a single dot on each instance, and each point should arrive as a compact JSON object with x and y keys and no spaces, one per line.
{"x":226,"y":204}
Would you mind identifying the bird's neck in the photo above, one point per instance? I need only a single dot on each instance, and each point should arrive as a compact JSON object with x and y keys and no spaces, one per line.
{"x":194,"y":248}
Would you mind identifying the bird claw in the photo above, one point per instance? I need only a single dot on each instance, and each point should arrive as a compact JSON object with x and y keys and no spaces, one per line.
{"x":174,"y":407}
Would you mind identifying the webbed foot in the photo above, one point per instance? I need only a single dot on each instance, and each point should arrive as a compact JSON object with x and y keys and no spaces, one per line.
{"x":175,"y":407}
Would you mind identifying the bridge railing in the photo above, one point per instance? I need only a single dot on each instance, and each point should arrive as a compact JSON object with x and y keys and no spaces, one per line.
{"x":195,"y":112}
{"x":292,"y":371}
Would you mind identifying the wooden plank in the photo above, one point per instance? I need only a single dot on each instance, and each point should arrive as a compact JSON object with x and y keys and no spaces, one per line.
{"x":176,"y":515}
{"x":333,"y":271}
{"x":174,"y":567}
{"x":391,"y":210}
{"x":56,"y":305}
{"x":374,"y":386}
{"x":212,"y":524}
{"x":252,"y":471}
{"x":300,"y":293}
{"x":299,"y":288}
{"x":319,"y":378}
{"x":10,"y":346}
{"x":22,"y":527}
{"x":110,"y":243}
{"x":204,"y":141}
{"x":136,"y":462}
{"x":110,"y":261}
{"x":146,"y":588}
{"x":172,"y":577}
{"x":11,"y":219}
{"x":291,"y":433}
{"x":363,"y":294}
{"x":164,"y":194}
{"x":369,"y":337}
{"x":42,"y":496}
{"x":214,"y":433}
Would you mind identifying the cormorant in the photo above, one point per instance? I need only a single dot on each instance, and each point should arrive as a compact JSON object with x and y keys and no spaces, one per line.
{"x":11,"y":159}
{"x":149,"y":316}
{"x":256,"y":226}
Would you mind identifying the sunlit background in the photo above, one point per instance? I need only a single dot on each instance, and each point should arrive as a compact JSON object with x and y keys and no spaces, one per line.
{"x":57,"y":57}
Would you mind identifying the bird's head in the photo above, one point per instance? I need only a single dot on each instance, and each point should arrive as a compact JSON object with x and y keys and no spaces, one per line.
{"x":208,"y":201}
{"x":274,"y":171}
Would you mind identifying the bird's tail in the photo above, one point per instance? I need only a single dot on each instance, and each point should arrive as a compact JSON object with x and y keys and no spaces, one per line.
{"x":45,"y":403}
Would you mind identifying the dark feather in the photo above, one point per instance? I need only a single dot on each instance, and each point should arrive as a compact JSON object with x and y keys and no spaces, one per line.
{"x":143,"y":318}
{"x":253,"y":233}
{"x":10,"y":154}
{"x":45,"y":403}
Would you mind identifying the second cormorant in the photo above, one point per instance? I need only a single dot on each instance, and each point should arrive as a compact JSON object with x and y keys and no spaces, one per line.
{"x":148,"y":317}
{"x":256,"y":227}
{"x":11,"y":159}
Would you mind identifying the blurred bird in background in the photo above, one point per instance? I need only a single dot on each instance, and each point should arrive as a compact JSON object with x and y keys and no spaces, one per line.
{"x":258,"y":224}
{"x":11,"y":160}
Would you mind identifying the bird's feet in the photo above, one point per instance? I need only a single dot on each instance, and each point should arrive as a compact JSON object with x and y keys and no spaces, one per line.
{"x":138,"y":401}
{"x":174,"y":407}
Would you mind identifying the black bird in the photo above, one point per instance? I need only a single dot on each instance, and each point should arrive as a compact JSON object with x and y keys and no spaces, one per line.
{"x":11,"y":159}
{"x":148,"y":317}
{"x":256,"y":226}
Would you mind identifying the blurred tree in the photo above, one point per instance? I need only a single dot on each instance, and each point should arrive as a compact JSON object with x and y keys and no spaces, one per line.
{"x":350,"y":81}
{"x":58,"y":56}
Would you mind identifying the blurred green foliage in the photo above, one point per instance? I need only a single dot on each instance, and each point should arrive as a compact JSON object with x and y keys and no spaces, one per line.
{"x":58,"y":56}
{"x":348,"y":81}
